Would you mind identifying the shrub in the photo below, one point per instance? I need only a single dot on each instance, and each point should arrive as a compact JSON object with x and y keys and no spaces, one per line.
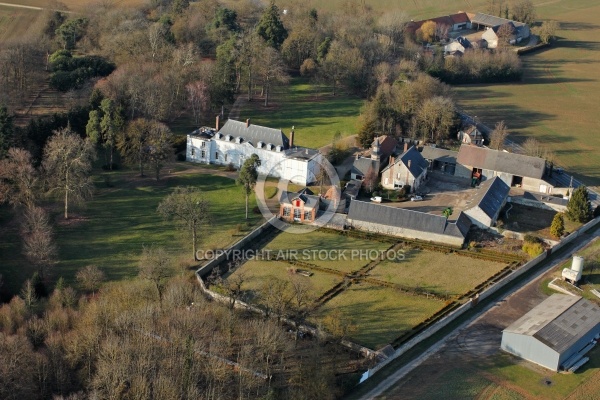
{"x":230,"y":167}
{"x":557,"y":229}
{"x":531,"y":239}
{"x":533,"y":249}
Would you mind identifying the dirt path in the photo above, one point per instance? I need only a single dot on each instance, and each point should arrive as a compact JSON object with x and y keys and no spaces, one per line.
{"x":451,"y":351}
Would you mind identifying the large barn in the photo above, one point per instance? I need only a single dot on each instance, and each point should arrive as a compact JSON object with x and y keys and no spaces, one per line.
{"x":556,"y":333}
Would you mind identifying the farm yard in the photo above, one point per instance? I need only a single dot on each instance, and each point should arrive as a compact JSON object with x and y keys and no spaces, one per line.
{"x":532,"y":220}
{"x":377,"y":299}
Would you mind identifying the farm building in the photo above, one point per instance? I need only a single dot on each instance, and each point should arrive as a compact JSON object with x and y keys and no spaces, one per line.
{"x":460,"y":45}
{"x":481,"y":163}
{"x":440,"y":159}
{"x":492,"y":24}
{"x":454,"y":22}
{"x":488,"y":201}
{"x":556,"y":333}
{"x":410,"y":168}
{"x":471,"y":135}
{"x":381,"y":150}
{"x":299,"y":207}
{"x":236,"y":141}
{"x":408,"y":224}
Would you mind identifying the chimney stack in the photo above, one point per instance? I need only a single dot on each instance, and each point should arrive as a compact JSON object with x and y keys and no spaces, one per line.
{"x":405,"y":146}
{"x":247,"y":122}
{"x":217,"y":123}
{"x":292,"y":138}
{"x":392,"y":160}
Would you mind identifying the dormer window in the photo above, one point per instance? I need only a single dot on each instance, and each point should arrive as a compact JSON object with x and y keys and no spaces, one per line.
{"x":269,"y":146}
{"x":238,"y":140}
{"x":228,"y":138}
{"x":219,"y":136}
{"x":278,"y":148}
{"x":260,"y":145}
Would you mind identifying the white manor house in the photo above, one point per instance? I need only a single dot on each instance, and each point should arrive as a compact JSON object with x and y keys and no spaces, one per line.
{"x":236,"y":141}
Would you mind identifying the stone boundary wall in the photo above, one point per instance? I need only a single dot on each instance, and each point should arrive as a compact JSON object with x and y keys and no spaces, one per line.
{"x":483,"y":295}
{"x":207,"y":268}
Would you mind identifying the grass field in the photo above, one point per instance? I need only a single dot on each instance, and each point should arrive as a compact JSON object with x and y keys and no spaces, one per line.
{"x":313,"y":111}
{"x":118,"y":221}
{"x":14,"y":22}
{"x":436,"y":272}
{"x":379,"y":314}
{"x":257,"y":273}
{"x":503,"y":377}
{"x":311,"y":247}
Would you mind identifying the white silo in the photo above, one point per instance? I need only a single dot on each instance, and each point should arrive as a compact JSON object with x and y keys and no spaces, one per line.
{"x":577,"y":266}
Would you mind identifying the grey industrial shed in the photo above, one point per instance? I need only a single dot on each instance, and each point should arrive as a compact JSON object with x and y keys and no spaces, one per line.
{"x":553,"y":332}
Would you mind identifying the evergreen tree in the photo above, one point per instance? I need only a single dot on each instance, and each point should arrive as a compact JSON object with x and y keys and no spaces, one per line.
{"x":270,"y":27}
{"x":579,"y":208}
{"x":248,"y":176}
{"x":557,"y":229}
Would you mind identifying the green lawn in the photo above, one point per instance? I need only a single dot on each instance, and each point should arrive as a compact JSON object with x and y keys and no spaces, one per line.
{"x":379,"y":314}
{"x":256,"y":273}
{"x":312,"y":247}
{"x":118,"y":221}
{"x":313,"y":111}
{"x":437,"y":272}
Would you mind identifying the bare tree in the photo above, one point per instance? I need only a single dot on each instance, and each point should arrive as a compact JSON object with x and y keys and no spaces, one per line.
{"x":371,"y":178}
{"x":18,"y":178}
{"x":90,"y":278}
{"x":38,"y":241}
{"x":498,"y":136}
{"x":435,"y":117}
{"x":155,"y":265}
{"x":271,"y":71}
{"x":67,"y":165}
{"x":198,"y":98}
{"x":188,"y":206}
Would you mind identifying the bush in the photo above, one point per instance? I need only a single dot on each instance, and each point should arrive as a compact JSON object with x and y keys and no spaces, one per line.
{"x":230,"y":167}
{"x":72,"y":73}
{"x":531,"y":239}
{"x":557,"y":229}
{"x":579,"y":208}
{"x":533,"y":249}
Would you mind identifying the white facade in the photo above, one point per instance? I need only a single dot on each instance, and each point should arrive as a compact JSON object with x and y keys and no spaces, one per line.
{"x":299,"y":166}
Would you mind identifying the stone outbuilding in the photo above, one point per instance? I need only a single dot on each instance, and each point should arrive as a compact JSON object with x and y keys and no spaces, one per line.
{"x":410,"y":168}
{"x":489,"y":199}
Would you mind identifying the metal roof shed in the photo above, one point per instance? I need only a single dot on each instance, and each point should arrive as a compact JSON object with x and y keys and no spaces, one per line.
{"x":553,"y":331}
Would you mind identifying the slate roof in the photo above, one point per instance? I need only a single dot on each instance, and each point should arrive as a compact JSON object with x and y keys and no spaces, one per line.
{"x":417,"y":163}
{"x":437,"y":154}
{"x":449,"y":20}
{"x":501,"y":161}
{"x":492,"y":21}
{"x":309,"y":200}
{"x":363,"y":164}
{"x":387,"y":145}
{"x":301,"y":153}
{"x":559,"y":321}
{"x":254,"y":133}
{"x":490,"y":196}
{"x":404,"y":218}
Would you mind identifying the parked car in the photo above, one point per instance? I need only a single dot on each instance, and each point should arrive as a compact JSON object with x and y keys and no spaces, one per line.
{"x":416,"y":198}
{"x":376,"y":199}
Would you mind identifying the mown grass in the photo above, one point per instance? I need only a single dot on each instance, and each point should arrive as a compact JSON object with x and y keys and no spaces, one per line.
{"x":311,"y":109}
{"x":257,"y":273}
{"x":114,"y":226}
{"x":378,"y":314}
{"x":327,"y":249}
{"x":436,"y":272}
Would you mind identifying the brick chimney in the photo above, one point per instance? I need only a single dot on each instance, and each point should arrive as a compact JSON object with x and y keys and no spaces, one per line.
{"x":405,"y":146}
{"x":247,"y":122}
{"x":217,"y":123}
{"x":392,"y":160}
{"x":292,"y":138}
